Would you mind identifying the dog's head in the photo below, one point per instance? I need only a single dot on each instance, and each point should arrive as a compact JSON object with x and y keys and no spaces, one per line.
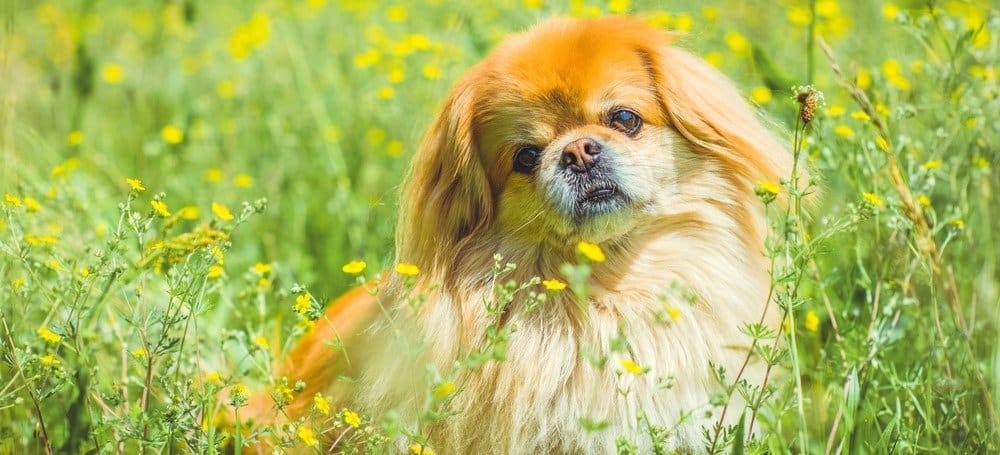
{"x":581,"y":130}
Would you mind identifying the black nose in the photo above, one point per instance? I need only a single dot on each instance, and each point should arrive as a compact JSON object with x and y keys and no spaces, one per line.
{"x":581,"y":154}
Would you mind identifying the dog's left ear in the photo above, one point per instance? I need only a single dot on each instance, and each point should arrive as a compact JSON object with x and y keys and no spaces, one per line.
{"x":708,"y":111}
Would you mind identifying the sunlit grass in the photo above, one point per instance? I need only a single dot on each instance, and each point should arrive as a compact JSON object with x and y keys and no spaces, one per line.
{"x":185,"y":185}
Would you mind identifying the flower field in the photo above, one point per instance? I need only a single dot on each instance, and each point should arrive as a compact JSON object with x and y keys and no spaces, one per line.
{"x":185,"y":185}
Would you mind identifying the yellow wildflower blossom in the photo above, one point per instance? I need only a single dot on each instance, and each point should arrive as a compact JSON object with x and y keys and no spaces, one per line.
{"x":883,"y":144}
{"x":215,"y":271}
{"x":321,"y":404}
{"x":160,"y":208}
{"x":630,"y":366}
{"x":591,"y":251}
{"x":931,"y":165}
{"x":861,"y":115}
{"x":112,"y":74}
{"x":674,"y":313}
{"x":135,"y":184}
{"x":11,"y":200}
{"x":737,"y":43}
{"x":890,"y":11}
{"x":49,"y":360}
{"x":351,"y":418}
{"x":812,"y":321}
{"x":261,"y":268}
{"x":619,"y":6}
{"x":923,"y":200}
{"x":307,"y":436}
{"x":407,"y":269}
{"x":553,"y":284}
{"x":768,"y":187}
{"x":74,"y":138}
{"x":431,"y":72}
{"x":213,"y":174}
{"x":139,"y":352}
{"x":49,"y":336}
{"x":213,"y":377}
{"x":443,"y":389}
{"x":835,"y":110}
{"x":189,"y":213}
{"x":354,"y":267}
{"x":761,"y":95}
{"x":262,"y":342}
{"x":873,"y":199}
{"x":222,"y":212}
{"x":843,"y":131}
{"x":243,"y":181}
{"x":396,"y":13}
{"x":172,"y":134}
{"x":302,"y":303}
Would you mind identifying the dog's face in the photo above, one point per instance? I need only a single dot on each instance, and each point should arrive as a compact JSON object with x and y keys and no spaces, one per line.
{"x":574,"y":138}
{"x":580,"y":130}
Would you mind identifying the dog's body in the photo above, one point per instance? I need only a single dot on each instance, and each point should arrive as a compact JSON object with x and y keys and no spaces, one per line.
{"x":594,"y":131}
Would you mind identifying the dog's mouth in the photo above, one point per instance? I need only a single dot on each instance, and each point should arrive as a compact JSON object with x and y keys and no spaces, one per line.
{"x":601,"y":192}
{"x":597,"y":199}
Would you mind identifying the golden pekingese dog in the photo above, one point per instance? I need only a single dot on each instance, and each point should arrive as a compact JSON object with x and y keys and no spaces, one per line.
{"x":575,"y":131}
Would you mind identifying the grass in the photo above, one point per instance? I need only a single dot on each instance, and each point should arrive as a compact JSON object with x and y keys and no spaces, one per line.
{"x":269,"y":142}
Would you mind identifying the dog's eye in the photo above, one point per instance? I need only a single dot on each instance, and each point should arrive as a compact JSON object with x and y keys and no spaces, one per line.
{"x":626,"y":121}
{"x":526,"y":159}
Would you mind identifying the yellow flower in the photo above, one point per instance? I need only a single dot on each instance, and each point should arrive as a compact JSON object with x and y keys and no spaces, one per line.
{"x":302,"y":303}
{"x":957,"y":222}
{"x":226,"y":89}
{"x":213,"y":377}
{"x":262,"y":342}
{"x":55,"y":265}
{"x":890,"y":11}
{"x":48,"y":335}
{"x":243,"y":181}
{"x":354,"y":267}
{"x":883,"y":144}
{"x":812,"y":321}
{"x":112,"y":74}
{"x":367,"y":59}
{"x":737,"y":43}
{"x":659,"y":19}
{"x":220,"y":257}
{"x":32,"y":204}
{"x":873,"y":199}
{"x":835,"y":110}
{"x":160,"y":208}
{"x":307,"y":436}
{"x":714,"y":58}
{"x":931,"y":165}
{"x":554,"y":284}
{"x":101,"y":229}
{"x":215,"y":271}
{"x":261,"y":268}
{"x":172,"y":134}
{"x":533,"y":4}
{"x":630,"y":366}
{"x":768,"y":187}
{"x":420,"y":449}
{"x":74,"y":138}
{"x":396,"y":13}
{"x":394,"y":148}
{"x":863,"y":79}
{"x":139,"y":352}
{"x":844,"y":131}
{"x":431,"y":72}
{"x":407,"y":269}
{"x":684,"y":22}
{"x":213,"y":174}
{"x":189,"y":213}
{"x":827,"y":8}
{"x":85,"y":272}
{"x":761,"y":95}
{"x":386,"y":93}
{"x":222,"y":212}
{"x":924,"y":200}
{"x":860,"y":115}
{"x":351,"y":418}
{"x":49,"y":360}
{"x":619,"y":6}
{"x":135,"y":184}
{"x":786,"y":325}
{"x":12,"y":200}
{"x":321,"y":404}
{"x":980,"y":162}
{"x":17,"y":283}
{"x":674,"y":313}
{"x":898,"y":81}
{"x":591,"y":251}
{"x":799,"y":16}
{"x":443,"y":389}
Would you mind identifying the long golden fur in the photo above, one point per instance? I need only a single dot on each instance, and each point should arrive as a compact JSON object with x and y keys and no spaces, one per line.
{"x":672,"y":205}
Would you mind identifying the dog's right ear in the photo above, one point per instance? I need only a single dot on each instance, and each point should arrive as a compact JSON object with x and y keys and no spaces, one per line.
{"x":447,"y":198}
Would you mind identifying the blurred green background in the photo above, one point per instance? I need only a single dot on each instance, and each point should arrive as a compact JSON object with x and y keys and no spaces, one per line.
{"x":318,"y":105}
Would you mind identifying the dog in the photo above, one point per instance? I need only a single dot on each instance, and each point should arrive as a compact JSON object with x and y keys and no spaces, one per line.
{"x":598,"y":131}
